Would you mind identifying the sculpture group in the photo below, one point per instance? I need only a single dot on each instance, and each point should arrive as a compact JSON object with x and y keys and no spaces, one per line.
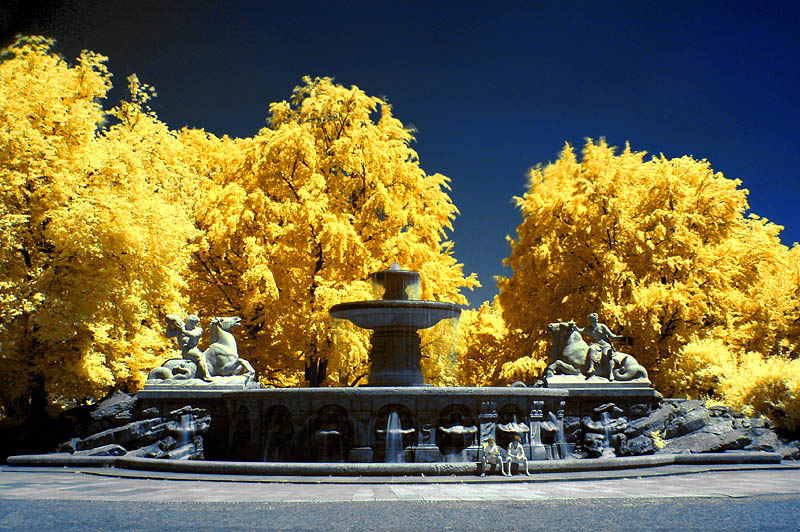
{"x":573,"y":356}
{"x":217,"y":363}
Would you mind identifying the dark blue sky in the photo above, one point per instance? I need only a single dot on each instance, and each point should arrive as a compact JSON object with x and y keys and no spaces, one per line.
{"x":492,"y":87}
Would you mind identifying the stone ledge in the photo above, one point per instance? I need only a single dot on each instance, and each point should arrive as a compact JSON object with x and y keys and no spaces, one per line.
{"x":576,"y":382}
{"x":385,"y":469}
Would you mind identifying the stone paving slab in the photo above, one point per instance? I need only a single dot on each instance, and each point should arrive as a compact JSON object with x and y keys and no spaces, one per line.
{"x":64,"y":484}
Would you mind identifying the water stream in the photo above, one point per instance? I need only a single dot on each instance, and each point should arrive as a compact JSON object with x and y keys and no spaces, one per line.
{"x":394,"y":439}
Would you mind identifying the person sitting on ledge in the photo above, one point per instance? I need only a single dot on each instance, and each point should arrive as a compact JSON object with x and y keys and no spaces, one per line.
{"x":491,"y":456}
{"x":516,"y":455}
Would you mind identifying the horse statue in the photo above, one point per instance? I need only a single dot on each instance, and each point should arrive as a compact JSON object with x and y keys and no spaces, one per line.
{"x":213,"y":365}
{"x":222,"y":357}
{"x":573,"y":356}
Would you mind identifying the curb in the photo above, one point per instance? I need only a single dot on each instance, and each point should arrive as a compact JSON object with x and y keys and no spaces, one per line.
{"x":384,"y":469}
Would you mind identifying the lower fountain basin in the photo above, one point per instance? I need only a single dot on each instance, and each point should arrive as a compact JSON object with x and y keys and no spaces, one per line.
{"x":287,"y":425}
{"x":413,"y":314}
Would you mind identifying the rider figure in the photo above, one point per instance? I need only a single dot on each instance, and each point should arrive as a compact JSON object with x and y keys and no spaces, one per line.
{"x":602,"y":350}
{"x":188,"y":338}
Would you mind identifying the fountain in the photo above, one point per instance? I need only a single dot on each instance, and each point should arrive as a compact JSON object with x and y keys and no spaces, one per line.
{"x":579,"y":409}
{"x":395,"y":316}
{"x":396,"y":416}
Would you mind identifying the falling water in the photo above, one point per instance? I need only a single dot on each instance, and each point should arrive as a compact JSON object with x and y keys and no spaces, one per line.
{"x":394,"y":439}
{"x":185,"y":448}
{"x":608,"y":449}
{"x":538,"y":450}
{"x":562,"y":441}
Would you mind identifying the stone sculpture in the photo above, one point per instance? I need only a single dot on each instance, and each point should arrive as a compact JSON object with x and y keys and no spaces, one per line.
{"x":120,"y":428}
{"x":573,"y":356}
{"x":516,"y":455}
{"x":222,"y":356}
{"x":219,"y":364}
{"x":188,"y":337}
{"x":601,"y":351}
{"x":490,"y":457}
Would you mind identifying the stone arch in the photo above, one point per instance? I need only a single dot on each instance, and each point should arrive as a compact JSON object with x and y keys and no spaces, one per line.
{"x":463,"y":430}
{"x":506,"y":415}
{"x":331,"y":434}
{"x":277,"y":433}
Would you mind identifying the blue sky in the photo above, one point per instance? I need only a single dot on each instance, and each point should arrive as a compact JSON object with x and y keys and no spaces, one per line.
{"x":493,"y":88}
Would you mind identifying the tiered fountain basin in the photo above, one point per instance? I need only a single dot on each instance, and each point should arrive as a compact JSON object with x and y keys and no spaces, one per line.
{"x":395,"y":316}
{"x":395,"y":353}
{"x":428,"y":424}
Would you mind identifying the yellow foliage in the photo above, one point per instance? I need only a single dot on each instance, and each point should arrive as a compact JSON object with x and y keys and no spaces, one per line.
{"x":303,"y":213}
{"x":93,"y":232}
{"x":483,"y":350}
{"x":662,"y":249}
{"x":747,"y":381}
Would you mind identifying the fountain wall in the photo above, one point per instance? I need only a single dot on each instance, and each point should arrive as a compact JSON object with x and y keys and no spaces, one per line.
{"x":348,"y":424}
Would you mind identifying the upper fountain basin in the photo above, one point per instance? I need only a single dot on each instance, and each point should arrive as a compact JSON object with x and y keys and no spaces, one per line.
{"x":413,"y":314}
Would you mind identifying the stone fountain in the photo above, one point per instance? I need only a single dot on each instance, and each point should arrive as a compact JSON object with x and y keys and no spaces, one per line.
{"x":395,"y":317}
{"x":593,"y":401}
{"x":397,"y":416}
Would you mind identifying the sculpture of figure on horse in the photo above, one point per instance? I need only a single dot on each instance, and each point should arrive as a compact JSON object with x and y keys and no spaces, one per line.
{"x":222,"y":356}
{"x":221,"y":359}
{"x":573,"y":356}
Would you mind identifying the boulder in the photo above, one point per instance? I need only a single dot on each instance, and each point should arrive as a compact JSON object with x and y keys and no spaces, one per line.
{"x":104,"y":450}
{"x":639,"y":445}
{"x":610,"y":408}
{"x":707,"y":442}
{"x":688,"y":420}
{"x":655,"y":422}
{"x":137,"y":432}
{"x":593,"y":444}
{"x":763,"y":440}
{"x":114,"y":411}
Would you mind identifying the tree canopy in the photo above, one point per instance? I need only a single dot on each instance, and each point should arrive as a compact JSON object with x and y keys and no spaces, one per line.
{"x":93,"y":234}
{"x":327,"y":194}
{"x":665,"y":251}
{"x":110,"y":220}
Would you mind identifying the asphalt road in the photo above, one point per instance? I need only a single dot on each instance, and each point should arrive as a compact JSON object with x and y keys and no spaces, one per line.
{"x":768,"y":512}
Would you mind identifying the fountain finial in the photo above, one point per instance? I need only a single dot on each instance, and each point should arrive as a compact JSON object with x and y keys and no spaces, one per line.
{"x":395,"y":284}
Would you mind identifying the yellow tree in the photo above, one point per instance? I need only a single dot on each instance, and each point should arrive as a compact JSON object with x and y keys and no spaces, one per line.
{"x":92,"y":238}
{"x":484,"y":355}
{"x":662,"y":249}
{"x":327,"y":194}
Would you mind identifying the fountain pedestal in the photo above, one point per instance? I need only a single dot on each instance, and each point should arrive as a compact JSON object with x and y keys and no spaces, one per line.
{"x":395,"y":319}
{"x":395,"y":357}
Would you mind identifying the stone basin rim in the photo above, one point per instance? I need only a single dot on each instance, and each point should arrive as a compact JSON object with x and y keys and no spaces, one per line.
{"x":394,"y":303}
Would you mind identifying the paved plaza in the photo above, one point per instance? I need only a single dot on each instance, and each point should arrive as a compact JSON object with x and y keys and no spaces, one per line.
{"x":676,"y":498}
{"x":120,"y":485}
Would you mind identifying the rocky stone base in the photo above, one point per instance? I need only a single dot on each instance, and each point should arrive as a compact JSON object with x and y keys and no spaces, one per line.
{"x":118,"y":428}
{"x":678,"y":426}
